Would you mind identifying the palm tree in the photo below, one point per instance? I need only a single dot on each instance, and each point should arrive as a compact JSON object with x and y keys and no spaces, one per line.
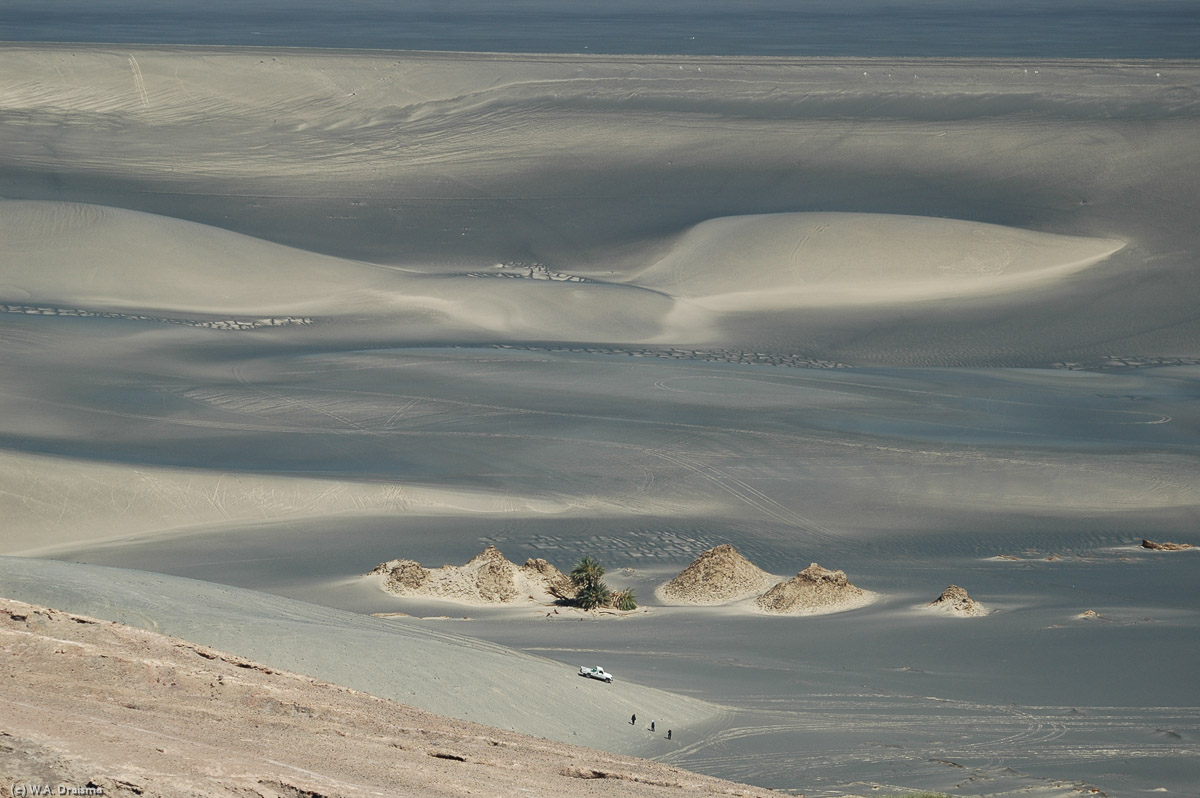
{"x":593,"y":596}
{"x":588,"y":572}
{"x":625,"y":600}
{"x":590,"y":590}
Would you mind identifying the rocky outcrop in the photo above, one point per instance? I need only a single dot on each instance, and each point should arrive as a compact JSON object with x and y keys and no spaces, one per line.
{"x":718,"y":576}
{"x":403,"y":576}
{"x":814,"y":590}
{"x":558,"y":584}
{"x":487,"y":578}
{"x":177,"y":718}
{"x":955,"y":601}
{"x":1150,"y":544}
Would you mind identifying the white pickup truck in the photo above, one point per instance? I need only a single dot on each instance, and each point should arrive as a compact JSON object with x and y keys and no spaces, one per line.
{"x":596,"y":673}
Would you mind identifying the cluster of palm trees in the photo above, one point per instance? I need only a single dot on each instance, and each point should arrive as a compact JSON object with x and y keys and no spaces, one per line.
{"x":591,"y":592}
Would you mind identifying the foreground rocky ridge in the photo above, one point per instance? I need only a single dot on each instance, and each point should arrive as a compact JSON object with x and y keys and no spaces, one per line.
{"x":92,"y":704}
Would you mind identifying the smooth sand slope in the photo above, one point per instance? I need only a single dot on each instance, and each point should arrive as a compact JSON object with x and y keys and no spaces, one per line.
{"x":55,"y":502}
{"x":75,"y":257}
{"x":769,"y":262}
{"x":71,"y":257}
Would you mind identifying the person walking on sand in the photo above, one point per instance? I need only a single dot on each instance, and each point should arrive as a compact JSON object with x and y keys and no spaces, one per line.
{"x":651,"y":725}
{"x":633,"y":720}
{"x":668,"y":734}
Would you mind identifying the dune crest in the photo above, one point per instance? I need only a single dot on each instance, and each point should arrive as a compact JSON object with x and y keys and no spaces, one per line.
{"x":487,"y":578}
{"x":718,"y":576}
{"x":775,"y":261}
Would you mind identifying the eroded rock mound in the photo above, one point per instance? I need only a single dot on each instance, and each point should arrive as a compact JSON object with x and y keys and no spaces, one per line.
{"x":814,"y":590}
{"x":717,"y":576}
{"x":955,"y":601}
{"x":402,"y":576}
{"x":487,"y":578}
{"x":1150,"y":544}
{"x":558,"y":584}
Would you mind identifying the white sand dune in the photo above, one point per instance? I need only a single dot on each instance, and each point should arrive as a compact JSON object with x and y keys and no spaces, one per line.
{"x":93,"y":256}
{"x":789,"y":260}
{"x":67,"y":255}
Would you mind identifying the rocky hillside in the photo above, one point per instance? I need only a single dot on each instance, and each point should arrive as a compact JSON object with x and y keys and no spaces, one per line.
{"x":717,"y":576}
{"x":488,"y":578}
{"x":92,"y":705}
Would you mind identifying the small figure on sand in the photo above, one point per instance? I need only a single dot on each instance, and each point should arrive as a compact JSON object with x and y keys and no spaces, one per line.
{"x":668,"y":734}
{"x":633,"y":720}
{"x":651,"y":725}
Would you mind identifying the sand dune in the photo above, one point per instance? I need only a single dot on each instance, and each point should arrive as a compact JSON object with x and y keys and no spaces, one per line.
{"x":93,"y":256}
{"x":443,"y":164}
{"x":832,"y":259}
{"x":73,"y":256}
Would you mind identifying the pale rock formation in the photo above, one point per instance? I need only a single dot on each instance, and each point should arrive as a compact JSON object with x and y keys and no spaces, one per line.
{"x":718,"y":576}
{"x":812,"y":591}
{"x":1150,"y":544}
{"x":955,"y":601}
{"x":488,"y":578}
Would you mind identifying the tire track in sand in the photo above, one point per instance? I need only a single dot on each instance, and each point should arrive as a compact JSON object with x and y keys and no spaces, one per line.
{"x":138,"y":81}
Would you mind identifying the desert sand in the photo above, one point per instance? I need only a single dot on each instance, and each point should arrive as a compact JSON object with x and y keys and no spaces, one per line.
{"x":271,"y":317}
